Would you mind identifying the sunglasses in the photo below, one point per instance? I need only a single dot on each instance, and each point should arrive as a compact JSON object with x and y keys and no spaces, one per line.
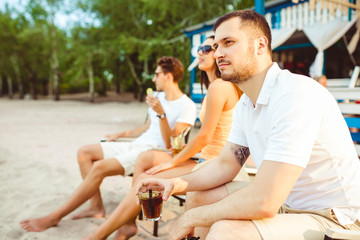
{"x":205,"y":49}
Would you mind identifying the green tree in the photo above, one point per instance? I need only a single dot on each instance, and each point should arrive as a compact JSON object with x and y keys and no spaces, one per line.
{"x":9,"y":66}
{"x":115,"y":42}
{"x":147,"y":29}
{"x":54,"y":61}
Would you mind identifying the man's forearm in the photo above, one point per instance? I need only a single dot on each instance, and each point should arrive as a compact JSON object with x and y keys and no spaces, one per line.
{"x":136,"y":132}
{"x":218,"y":171}
{"x":260,"y":199}
{"x":209,"y":176}
{"x":129,"y":133}
{"x":241,"y":205}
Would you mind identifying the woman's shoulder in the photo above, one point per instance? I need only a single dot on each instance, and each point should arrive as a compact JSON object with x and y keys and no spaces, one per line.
{"x":221,"y":89}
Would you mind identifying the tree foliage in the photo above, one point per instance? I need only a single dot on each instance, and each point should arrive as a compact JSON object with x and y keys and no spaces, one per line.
{"x":114,"y":47}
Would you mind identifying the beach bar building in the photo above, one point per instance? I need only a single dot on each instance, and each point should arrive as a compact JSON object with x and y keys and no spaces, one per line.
{"x":311,"y":37}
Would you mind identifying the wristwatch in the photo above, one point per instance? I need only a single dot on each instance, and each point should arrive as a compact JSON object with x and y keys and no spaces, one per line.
{"x":161,"y":116}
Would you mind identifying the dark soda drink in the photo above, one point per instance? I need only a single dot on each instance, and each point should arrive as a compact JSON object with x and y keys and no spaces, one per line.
{"x":151,"y":205}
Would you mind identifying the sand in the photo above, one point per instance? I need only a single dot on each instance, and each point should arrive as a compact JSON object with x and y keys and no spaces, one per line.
{"x":38,"y":167}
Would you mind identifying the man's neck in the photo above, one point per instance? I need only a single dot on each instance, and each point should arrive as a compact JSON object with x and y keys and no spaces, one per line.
{"x":173,"y":92}
{"x":253,"y":85}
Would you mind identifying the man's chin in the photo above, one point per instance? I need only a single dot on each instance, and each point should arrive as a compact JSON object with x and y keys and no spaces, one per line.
{"x":229,"y":78}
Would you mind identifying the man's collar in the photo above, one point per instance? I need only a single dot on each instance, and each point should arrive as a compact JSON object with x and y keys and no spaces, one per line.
{"x":266,"y":89}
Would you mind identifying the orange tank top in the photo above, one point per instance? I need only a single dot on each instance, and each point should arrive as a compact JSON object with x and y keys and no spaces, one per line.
{"x":221,"y":132}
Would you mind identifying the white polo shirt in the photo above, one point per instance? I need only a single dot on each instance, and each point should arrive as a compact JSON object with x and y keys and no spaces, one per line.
{"x":297,"y":121}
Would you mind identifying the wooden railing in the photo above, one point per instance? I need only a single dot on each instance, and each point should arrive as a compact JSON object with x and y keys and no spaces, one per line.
{"x":333,"y":5}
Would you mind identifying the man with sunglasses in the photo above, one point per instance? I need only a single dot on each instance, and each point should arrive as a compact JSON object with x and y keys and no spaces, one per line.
{"x":308,"y":169}
{"x":170,"y":111}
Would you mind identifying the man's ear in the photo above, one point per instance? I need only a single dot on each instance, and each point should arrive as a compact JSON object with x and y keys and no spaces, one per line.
{"x":261,"y":45}
{"x":169,"y":76}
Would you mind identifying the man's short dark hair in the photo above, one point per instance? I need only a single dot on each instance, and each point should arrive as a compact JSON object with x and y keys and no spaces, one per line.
{"x":255,"y":22}
{"x":171,"y":65}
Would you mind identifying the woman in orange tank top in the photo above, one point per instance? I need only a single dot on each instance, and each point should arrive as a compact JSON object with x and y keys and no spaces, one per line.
{"x":216,"y":117}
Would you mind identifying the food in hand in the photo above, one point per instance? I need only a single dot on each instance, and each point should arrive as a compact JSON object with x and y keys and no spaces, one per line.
{"x":149,"y":91}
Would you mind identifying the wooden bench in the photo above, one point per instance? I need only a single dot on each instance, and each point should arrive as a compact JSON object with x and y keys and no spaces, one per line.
{"x":345,"y":82}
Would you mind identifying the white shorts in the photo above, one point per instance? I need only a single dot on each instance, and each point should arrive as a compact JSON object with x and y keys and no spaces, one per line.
{"x":125,"y":152}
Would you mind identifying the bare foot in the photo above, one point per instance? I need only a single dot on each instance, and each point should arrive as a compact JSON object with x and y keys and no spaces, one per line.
{"x":126,"y":232}
{"x":95,"y":213}
{"x":38,"y":224}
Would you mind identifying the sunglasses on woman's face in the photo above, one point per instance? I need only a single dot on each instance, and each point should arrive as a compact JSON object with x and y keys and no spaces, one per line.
{"x":205,"y":49}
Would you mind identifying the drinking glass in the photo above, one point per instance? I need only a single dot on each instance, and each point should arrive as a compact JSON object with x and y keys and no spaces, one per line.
{"x":177,"y":143}
{"x":151,"y":201}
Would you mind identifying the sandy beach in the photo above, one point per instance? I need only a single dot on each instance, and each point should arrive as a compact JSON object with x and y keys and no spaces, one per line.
{"x":38,"y":167}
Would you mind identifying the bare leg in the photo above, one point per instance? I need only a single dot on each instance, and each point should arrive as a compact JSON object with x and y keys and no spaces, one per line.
{"x":147,"y":160}
{"x":196,"y":199}
{"x":126,"y":231}
{"x":233,"y":230}
{"x":86,"y":190}
{"x":87,"y":155}
{"x":128,"y":210}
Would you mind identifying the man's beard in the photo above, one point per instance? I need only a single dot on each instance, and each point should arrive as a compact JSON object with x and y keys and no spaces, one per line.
{"x":241,"y":76}
{"x":235,"y":77}
{"x":243,"y":72}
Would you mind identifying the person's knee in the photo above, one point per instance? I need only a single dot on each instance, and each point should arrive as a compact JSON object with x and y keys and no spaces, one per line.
{"x":85,"y":153}
{"x":98,"y":170}
{"x":139,"y":164}
{"x":218,"y":230}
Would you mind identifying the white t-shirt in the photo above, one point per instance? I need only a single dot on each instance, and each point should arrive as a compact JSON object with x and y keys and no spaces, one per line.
{"x":180,"y":110}
{"x":297,"y":121}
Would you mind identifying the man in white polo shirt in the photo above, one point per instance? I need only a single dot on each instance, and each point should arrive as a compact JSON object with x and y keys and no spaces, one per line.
{"x":308,"y":171}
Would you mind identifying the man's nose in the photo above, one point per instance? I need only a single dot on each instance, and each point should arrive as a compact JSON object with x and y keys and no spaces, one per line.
{"x":218,"y":54}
